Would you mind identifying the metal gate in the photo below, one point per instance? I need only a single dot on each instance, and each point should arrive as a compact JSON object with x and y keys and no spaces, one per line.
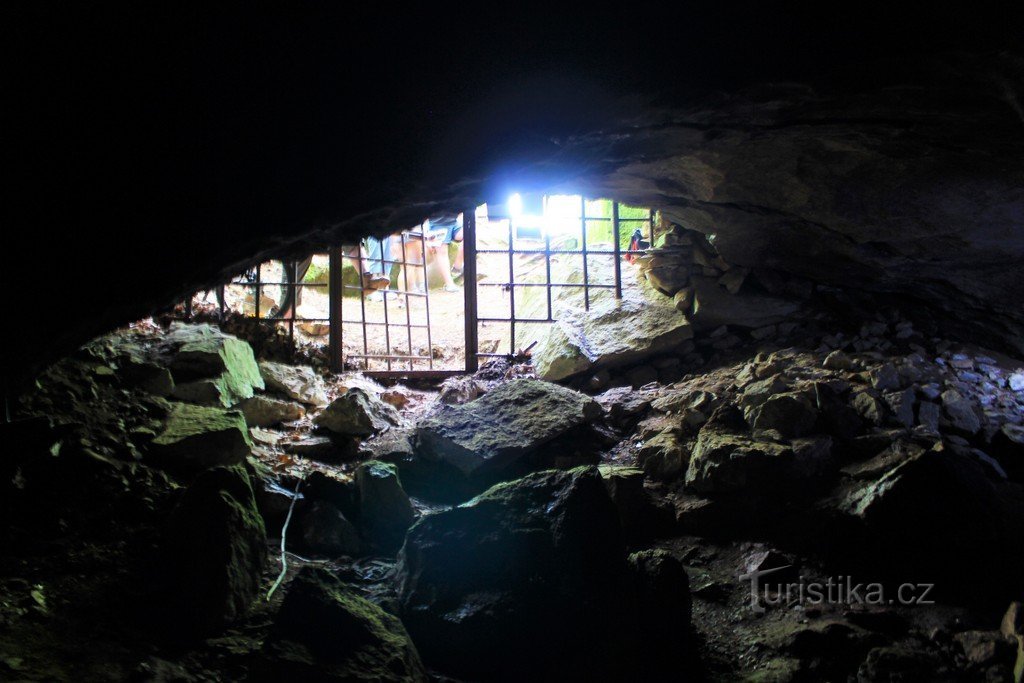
{"x":513,"y":280}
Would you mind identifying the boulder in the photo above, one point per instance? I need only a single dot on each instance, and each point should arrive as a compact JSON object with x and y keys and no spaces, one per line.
{"x":663,"y":457}
{"x":869,"y":407}
{"x":1008,"y":448}
{"x":503,"y":426}
{"x":326,"y":531}
{"x":837,"y":360}
{"x":901,"y":403}
{"x":357,"y":413}
{"x":326,"y":632}
{"x":714,"y":306}
{"x":790,"y":414}
{"x":197,"y":437}
{"x":910,"y":513}
{"x":211,"y":367}
{"x":724,"y":462}
{"x":527,"y":580}
{"x":642,"y":519}
{"x":385,"y":512}
{"x":298,"y":382}
{"x":216,"y":550}
{"x":958,"y":413}
{"x":928,"y":415}
{"x":264,"y":411}
{"x":613,"y":333}
{"x":885,"y":378}
{"x":663,"y":605}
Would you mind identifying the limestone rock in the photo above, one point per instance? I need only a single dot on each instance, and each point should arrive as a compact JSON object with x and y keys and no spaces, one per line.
{"x":724,"y":462}
{"x":683,"y":300}
{"x":326,"y":632}
{"x":663,"y":457}
{"x":958,"y":413}
{"x":357,"y":413}
{"x":837,"y":360}
{"x":928,"y":416}
{"x":790,"y":414}
{"x":264,"y":411}
{"x":713,"y":307}
{"x":485,"y":582}
{"x":641,"y":518}
{"x":202,"y":352}
{"x":611,"y":334}
{"x":869,"y":407}
{"x":216,"y":549}
{"x":663,"y":604}
{"x":298,"y":382}
{"x":326,"y":531}
{"x":885,"y":378}
{"x":200,"y":437}
{"x":385,"y":512}
{"x":507,"y":423}
{"x":913,"y":510}
{"x":901,"y":403}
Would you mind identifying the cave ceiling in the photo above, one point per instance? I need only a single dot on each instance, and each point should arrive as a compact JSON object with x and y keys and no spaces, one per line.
{"x":158,"y":151}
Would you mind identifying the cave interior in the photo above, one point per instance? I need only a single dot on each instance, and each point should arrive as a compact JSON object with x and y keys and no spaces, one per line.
{"x":489,"y":347}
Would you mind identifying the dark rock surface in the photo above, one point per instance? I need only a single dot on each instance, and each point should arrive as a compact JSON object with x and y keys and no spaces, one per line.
{"x":327,"y":632}
{"x":495,"y":431}
{"x":216,"y":548}
{"x":486,"y":585}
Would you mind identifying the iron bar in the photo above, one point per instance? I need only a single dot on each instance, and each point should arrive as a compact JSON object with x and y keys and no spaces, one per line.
{"x":426,"y":291}
{"x":335,"y":335}
{"x":547,"y":266}
{"x":618,"y":247}
{"x":405,"y":278}
{"x":511,"y":289}
{"x":469,"y":288}
{"x":586,"y":274}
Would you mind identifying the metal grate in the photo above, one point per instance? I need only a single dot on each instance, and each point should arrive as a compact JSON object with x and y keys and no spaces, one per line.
{"x":383,"y":334}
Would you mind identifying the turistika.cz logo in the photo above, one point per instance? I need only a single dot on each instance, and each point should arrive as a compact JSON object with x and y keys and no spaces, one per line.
{"x":841,"y":590}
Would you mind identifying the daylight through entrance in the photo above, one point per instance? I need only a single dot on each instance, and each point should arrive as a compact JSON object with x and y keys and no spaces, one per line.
{"x":456,"y":290}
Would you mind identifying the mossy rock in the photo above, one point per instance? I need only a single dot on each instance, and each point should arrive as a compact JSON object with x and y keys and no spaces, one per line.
{"x":197,"y":437}
{"x":325,"y":632}
{"x":211,"y":367}
{"x":385,"y":513}
{"x":216,"y":551}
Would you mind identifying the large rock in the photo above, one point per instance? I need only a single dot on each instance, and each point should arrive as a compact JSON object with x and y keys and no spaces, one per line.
{"x":504,"y":425}
{"x":265,"y":411}
{"x":527,"y":580}
{"x":612,"y":333}
{"x":216,"y":550}
{"x":911,"y":512}
{"x":713,"y":307}
{"x":663,"y":605}
{"x":198,"y":437}
{"x":326,"y":531}
{"x":210,"y":367}
{"x":664,"y":456}
{"x":724,"y":462}
{"x":326,"y":632}
{"x":790,"y":414}
{"x":358,"y":412}
{"x":385,"y":512}
{"x":298,"y":382}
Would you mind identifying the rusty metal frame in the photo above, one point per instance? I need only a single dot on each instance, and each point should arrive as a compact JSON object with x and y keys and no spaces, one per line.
{"x":616,"y":253}
{"x":337,"y":256}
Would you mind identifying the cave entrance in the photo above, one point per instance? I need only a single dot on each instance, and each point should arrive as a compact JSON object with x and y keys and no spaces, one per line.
{"x":440,"y":297}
